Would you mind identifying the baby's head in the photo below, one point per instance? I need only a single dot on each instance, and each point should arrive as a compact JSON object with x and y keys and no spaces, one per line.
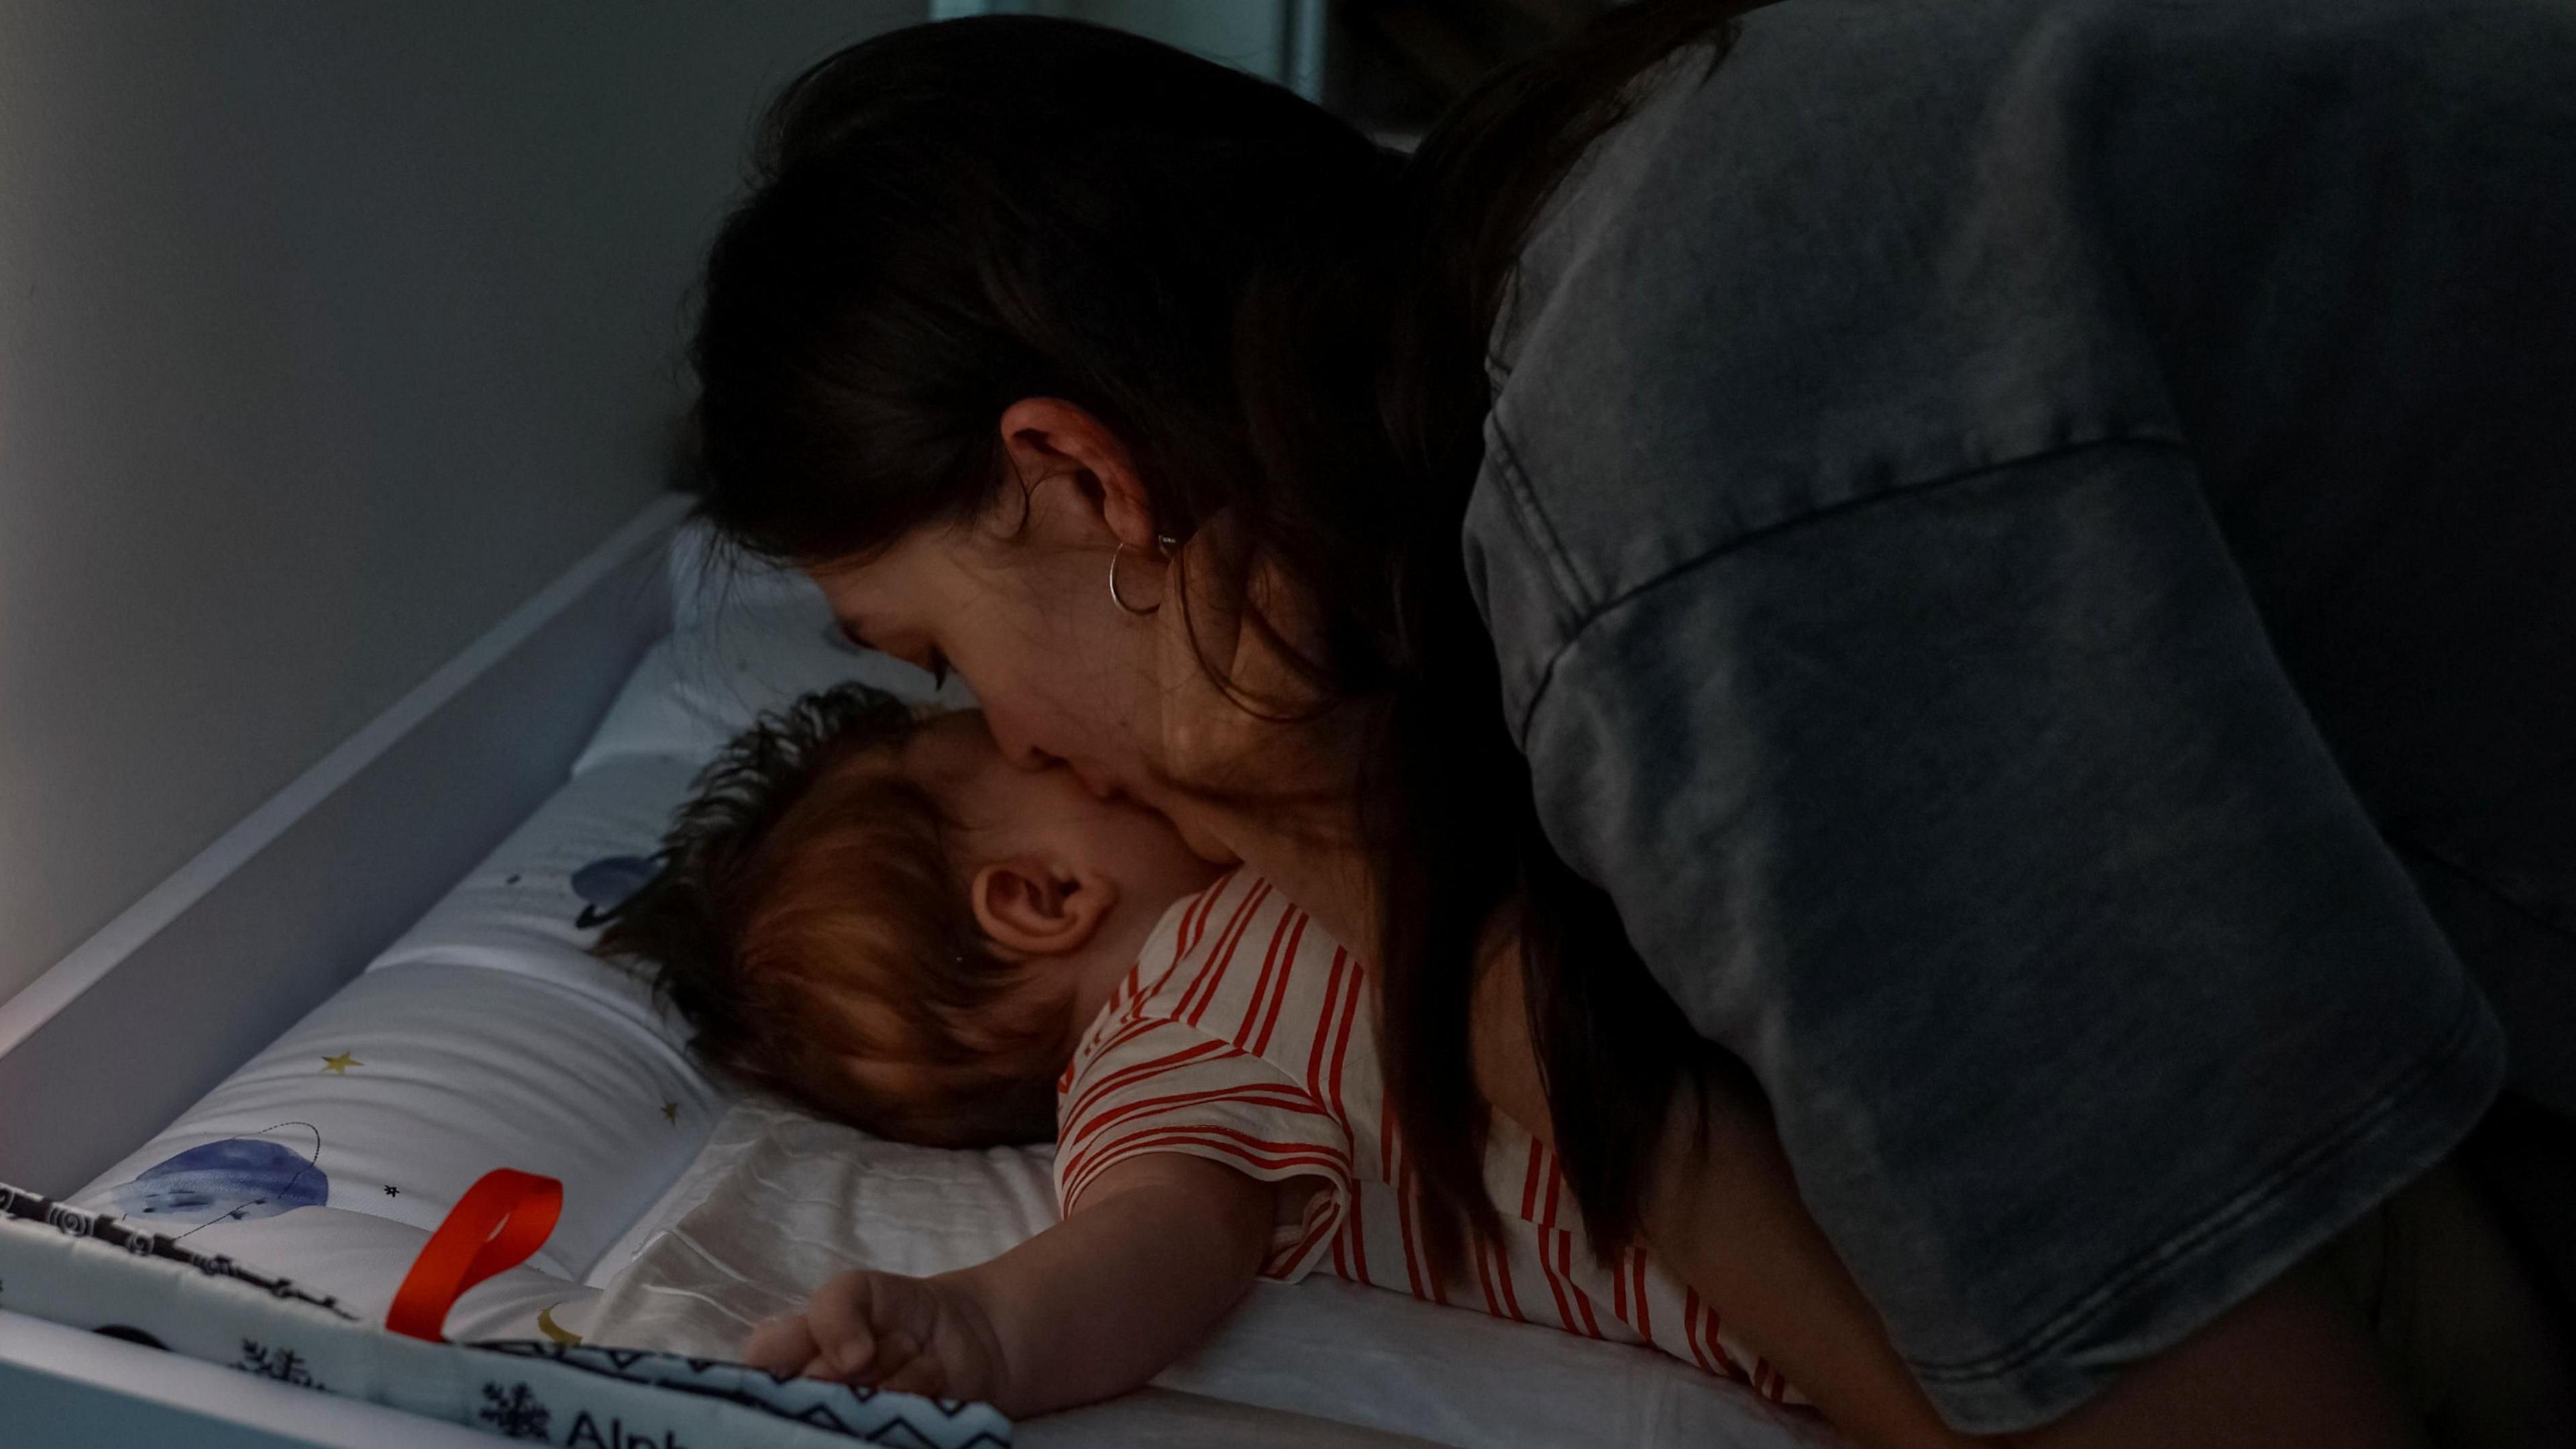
{"x":879,"y":916}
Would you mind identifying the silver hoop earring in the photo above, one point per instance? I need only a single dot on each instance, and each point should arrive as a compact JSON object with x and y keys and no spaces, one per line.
{"x":1114,"y":596}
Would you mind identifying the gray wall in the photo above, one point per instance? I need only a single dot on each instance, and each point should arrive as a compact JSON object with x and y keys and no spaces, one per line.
{"x":1279,"y":40}
{"x":328,"y":333}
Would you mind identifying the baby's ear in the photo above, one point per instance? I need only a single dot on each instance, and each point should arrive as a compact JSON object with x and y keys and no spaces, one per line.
{"x":1032,"y":906}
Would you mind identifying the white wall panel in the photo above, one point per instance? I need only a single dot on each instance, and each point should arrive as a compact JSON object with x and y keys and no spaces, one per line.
{"x":328,"y":333}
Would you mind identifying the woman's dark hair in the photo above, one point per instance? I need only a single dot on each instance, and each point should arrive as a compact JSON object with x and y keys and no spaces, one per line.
{"x":952,"y":217}
{"x":1615,"y":1053}
{"x":1280,"y":320}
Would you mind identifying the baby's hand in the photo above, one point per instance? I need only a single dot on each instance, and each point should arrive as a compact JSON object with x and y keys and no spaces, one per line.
{"x":916,"y":1335}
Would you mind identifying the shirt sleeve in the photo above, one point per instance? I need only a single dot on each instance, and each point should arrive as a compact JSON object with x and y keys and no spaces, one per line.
{"x":1160,"y":1085}
{"x":1982,"y":822}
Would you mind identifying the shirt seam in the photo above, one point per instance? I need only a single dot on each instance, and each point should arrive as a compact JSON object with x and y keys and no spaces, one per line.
{"x":1593,"y":615}
{"x":2543,"y":918}
{"x":1536,"y":526}
{"x":1288,"y":1079}
{"x":2143,"y":1269}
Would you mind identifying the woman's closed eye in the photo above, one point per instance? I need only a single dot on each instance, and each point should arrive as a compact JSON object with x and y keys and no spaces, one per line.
{"x":930,"y":661}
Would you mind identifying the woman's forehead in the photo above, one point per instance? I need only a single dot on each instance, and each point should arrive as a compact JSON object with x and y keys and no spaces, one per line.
{"x":861,"y":598}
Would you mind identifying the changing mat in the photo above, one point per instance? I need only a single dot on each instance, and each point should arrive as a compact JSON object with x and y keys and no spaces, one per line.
{"x":88,"y":1270}
{"x":780,"y":1201}
{"x":487,"y":1035}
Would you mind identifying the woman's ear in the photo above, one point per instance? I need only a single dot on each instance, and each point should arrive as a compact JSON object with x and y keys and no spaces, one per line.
{"x":1049,"y":439}
{"x":1032,"y":907}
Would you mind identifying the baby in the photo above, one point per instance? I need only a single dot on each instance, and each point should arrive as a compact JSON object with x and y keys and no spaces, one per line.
{"x":882,"y":918}
{"x":879,"y":916}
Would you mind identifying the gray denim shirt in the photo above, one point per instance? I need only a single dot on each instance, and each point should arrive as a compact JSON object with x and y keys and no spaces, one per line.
{"x":2029,"y":546}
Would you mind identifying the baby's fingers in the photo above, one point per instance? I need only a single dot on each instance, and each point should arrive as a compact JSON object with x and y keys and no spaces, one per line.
{"x":782,"y":1345}
{"x":849,"y":1315}
{"x":922,"y":1373}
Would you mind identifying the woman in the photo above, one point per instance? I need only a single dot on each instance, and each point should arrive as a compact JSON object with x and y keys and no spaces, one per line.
{"x":2010,"y":556}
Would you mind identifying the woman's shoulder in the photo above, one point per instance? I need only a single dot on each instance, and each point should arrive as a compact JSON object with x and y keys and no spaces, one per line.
{"x":1867,"y":250}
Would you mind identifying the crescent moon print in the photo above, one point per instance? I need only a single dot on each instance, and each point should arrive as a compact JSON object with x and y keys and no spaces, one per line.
{"x":605,"y":884}
{"x":555,"y":1331}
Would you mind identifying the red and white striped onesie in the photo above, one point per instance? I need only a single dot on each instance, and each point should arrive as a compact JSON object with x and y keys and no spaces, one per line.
{"x":1246,"y":1036}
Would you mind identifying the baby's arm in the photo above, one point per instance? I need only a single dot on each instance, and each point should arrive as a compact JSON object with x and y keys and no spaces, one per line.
{"x":1158,"y":1249}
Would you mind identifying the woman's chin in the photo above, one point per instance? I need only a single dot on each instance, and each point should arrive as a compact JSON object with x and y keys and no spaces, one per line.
{"x":1205,"y":846}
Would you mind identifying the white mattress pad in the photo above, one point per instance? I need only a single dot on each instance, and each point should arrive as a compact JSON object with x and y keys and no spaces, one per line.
{"x":487,"y":1037}
{"x":780,"y":1201}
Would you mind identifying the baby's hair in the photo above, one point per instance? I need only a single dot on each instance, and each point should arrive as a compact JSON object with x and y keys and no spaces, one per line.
{"x":809,"y":923}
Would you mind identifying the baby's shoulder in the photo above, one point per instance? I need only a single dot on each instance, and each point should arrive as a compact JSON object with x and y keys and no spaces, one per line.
{"x":1193,"y":948}
{"x":1234,"y":971}
{"x":1158,"y":991}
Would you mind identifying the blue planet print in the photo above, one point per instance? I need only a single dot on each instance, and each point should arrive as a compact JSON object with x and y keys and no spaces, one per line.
{"x":238,"y":1178}
{"x":605,"y":884}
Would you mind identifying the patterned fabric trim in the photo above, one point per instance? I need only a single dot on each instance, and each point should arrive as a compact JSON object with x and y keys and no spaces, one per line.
{"x":89,"y":1270}
{"x":106,"y":1228}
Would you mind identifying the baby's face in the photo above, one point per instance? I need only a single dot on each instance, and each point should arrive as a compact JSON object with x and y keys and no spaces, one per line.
{"x":1005,"y":809}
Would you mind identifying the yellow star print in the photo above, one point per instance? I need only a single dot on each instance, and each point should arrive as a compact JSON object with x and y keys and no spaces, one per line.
{"x":338,"y":1066}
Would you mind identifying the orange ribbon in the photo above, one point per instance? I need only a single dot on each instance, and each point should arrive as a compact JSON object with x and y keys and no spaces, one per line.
{"x":500,"y":1222}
